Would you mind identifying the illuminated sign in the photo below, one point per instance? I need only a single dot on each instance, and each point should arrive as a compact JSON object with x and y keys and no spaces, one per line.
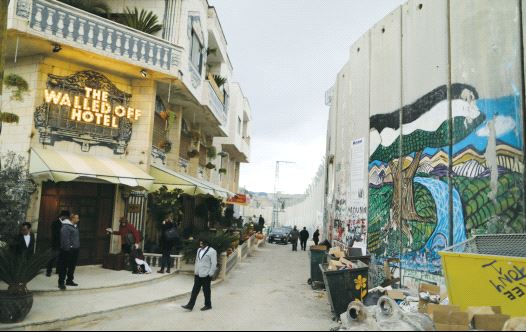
{"x":93,"y":107}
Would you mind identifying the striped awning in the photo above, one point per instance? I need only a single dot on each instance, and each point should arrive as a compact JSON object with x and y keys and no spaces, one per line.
{"x":173,"y":180}
{"x":59,"y":166}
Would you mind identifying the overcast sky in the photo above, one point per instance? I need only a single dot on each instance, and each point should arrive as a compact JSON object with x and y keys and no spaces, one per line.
{"x":286,"y":54}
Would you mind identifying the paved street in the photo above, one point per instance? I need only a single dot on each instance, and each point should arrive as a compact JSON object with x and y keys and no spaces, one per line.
{"x":266,"y":292}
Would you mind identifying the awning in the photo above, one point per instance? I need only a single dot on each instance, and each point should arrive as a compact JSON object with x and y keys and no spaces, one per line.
{"x":61,"y":166}
{"x":173,"y":180}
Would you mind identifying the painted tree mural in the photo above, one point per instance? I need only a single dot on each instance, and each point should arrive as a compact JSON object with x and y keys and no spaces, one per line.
{"x":430,"y":110}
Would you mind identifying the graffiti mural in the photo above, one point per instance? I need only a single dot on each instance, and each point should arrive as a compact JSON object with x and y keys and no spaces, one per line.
{"x":410,"y":174}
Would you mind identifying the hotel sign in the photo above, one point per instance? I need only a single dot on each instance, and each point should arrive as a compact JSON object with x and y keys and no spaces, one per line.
{"x":94,"y":107}
{"x":88,"y":109}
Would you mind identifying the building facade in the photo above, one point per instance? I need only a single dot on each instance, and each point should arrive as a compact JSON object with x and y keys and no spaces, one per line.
{"x":425,"y":144}
{"x":113,"y":113}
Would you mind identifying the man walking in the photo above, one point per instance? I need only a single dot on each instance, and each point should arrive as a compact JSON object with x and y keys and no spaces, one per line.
{"x":56,"y":226}
{"x":304,"y":237}
{"x":294,"y":236}
{"x":261,"y":223}
{"x":316,"y":237}
{"x":205,"y":268}
{"x":69,"y":251}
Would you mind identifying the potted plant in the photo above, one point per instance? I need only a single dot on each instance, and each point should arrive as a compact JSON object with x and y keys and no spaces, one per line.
{"x":222,"y":171}
{"x":164,"y":115}
{"x":211,"y":152}
{"x":222,"y":154}
{"x":166,"y":145}
{"x":210,"y":166}
{"x":192,"y":153}
{"x":17,"y":271}
{"x":196,"y":136}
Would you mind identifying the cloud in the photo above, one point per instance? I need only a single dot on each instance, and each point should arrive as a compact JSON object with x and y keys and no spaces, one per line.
{"x":503,"y":125}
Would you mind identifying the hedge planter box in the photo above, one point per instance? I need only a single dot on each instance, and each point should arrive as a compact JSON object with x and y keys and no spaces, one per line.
{"x":14,"y":308}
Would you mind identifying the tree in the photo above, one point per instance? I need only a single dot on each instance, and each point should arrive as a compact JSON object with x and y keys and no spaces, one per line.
{"x":145,"y":21}
{"x":404,"y":165}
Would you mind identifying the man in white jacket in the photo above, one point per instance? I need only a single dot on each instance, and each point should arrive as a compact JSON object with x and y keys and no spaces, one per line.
{"x":205,"y":268}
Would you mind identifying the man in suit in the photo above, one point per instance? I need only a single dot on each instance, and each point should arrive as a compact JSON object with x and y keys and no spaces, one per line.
{"x":69,"y":251}
{"x":205,"y":268}
{"x":304,"y":237}
{"x":56,"y":226}
{"x":25,"y":241}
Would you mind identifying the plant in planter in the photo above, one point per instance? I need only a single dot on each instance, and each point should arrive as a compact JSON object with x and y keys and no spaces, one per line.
{"x":163,"y":202}
{"x":17,"y":271}
{"x":18,"y":87}
{"x":145,"y":21}
{"x":166,"y":145}
{"x":220,"y":80}
{"x":196,"y":136}
{"x":222,"y":154}
{"x":211,"y":152}
{"x":210,"y":166}
{"x":222,"y":171}
{"x":192,"y":153}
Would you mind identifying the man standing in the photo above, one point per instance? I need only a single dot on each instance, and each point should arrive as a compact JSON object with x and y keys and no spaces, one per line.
{"x":25,"y":241}
{"x":69,"y":251}
{"x":56,"y":226}
{"x":316,"y":237}
{"x":304,"y":237}
{"x":294,"y":236}
{"x":169,"y":236}
{"x":205,"y":268}
{"x":261,"y":223}
{"x":130,"y":239}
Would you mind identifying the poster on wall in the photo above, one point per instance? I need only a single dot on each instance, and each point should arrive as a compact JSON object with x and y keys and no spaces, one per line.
{"x":357,"y":228}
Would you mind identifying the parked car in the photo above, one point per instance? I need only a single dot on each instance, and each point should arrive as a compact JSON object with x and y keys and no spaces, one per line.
{"x":279,"y":235}
{"x":289,"y":230}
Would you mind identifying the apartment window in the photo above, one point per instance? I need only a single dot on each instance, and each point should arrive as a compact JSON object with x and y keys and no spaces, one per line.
{"x":196,"y":52}
{"x":159,"y":124}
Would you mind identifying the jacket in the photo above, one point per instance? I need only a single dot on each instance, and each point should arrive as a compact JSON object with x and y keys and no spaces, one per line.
{"x":21,"y":247}
{"x":304,"y":235}
{"x":206,"y":266}
{"x":56,"y":226}
{"x":294,"y":235}
{"x":316,"y":236}
{"x":128,"y":229}
{"x":70,"y":237}
{"x":165,"y":242}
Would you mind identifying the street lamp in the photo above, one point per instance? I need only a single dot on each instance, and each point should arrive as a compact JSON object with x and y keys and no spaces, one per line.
{"x":275,"y":215}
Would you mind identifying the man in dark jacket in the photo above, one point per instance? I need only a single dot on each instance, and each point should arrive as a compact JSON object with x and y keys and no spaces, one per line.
{"x":69,"y":251}
{"x":294,"y":236}
{"x":168,"y":238}
{"x":25,"y":241}
{"x":304,"y":237}
{"x":316,"y":237}
{"x":56,"y":226}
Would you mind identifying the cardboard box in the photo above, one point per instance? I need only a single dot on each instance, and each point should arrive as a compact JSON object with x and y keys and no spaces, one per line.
{"x":337,"y":252}
{"x":451,"y":318}
{"x":431,"y":308}
{"x":396,"y":295}
{"x":472,"y":311}
{"x":447,"y":327}
{"x":335,"y":265}
{"x":320,"y":248}
{"x":490,"y":322}
{"x":346,"y":262}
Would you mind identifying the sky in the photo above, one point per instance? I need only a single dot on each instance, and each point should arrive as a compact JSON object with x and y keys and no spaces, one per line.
{"x":286,"y":54}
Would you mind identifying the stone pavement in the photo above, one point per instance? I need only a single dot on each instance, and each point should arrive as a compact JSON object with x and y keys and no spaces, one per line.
{"x":267,"y":291}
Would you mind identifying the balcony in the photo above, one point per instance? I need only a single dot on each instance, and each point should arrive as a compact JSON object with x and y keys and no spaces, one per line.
{"x":215,"y":104}
{"x":55,"y":21}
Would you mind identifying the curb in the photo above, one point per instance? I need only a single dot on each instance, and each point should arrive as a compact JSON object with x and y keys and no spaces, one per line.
{"x":58,"y":292}
{"x":58,"y":324}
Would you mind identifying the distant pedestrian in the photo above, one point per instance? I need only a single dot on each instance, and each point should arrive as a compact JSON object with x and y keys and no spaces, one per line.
{"x":316,"y":237}
{"x":205,"y":268}
{"x":56,"y":227}
{"x":304,"y":237}
{"x":130,"y":239}
{"x":169,"y":237}
{"x":294,"y":237}
{"x":69,"y":251}
{"x":25,"y":241}
{"x":261,"y":223}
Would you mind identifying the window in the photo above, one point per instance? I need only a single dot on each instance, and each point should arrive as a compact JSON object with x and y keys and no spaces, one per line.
{"x":196,"y":52}
{"x":159,"y":124}
{"x":239,"y":125}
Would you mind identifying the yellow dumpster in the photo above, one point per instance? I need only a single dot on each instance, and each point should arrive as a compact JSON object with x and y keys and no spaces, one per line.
{"x":488,"y":270}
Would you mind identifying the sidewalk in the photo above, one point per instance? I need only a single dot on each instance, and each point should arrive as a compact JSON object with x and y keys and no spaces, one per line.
{"x":56,"y":310}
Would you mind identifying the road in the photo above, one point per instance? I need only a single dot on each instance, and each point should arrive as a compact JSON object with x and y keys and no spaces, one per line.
{"x":268,"y":291}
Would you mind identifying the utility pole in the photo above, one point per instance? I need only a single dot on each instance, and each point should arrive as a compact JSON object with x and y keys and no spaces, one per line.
{"x":275,"y":214}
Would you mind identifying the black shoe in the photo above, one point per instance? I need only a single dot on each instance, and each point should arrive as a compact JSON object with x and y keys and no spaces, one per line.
{"x":205,"y":308}
{"x":62,"y":287}
{"x":187,"y":307}
{"x":168,"y":271}
{"x":160,"y":271}
{"x":48,"y":274}
{"x":72,"y":284}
